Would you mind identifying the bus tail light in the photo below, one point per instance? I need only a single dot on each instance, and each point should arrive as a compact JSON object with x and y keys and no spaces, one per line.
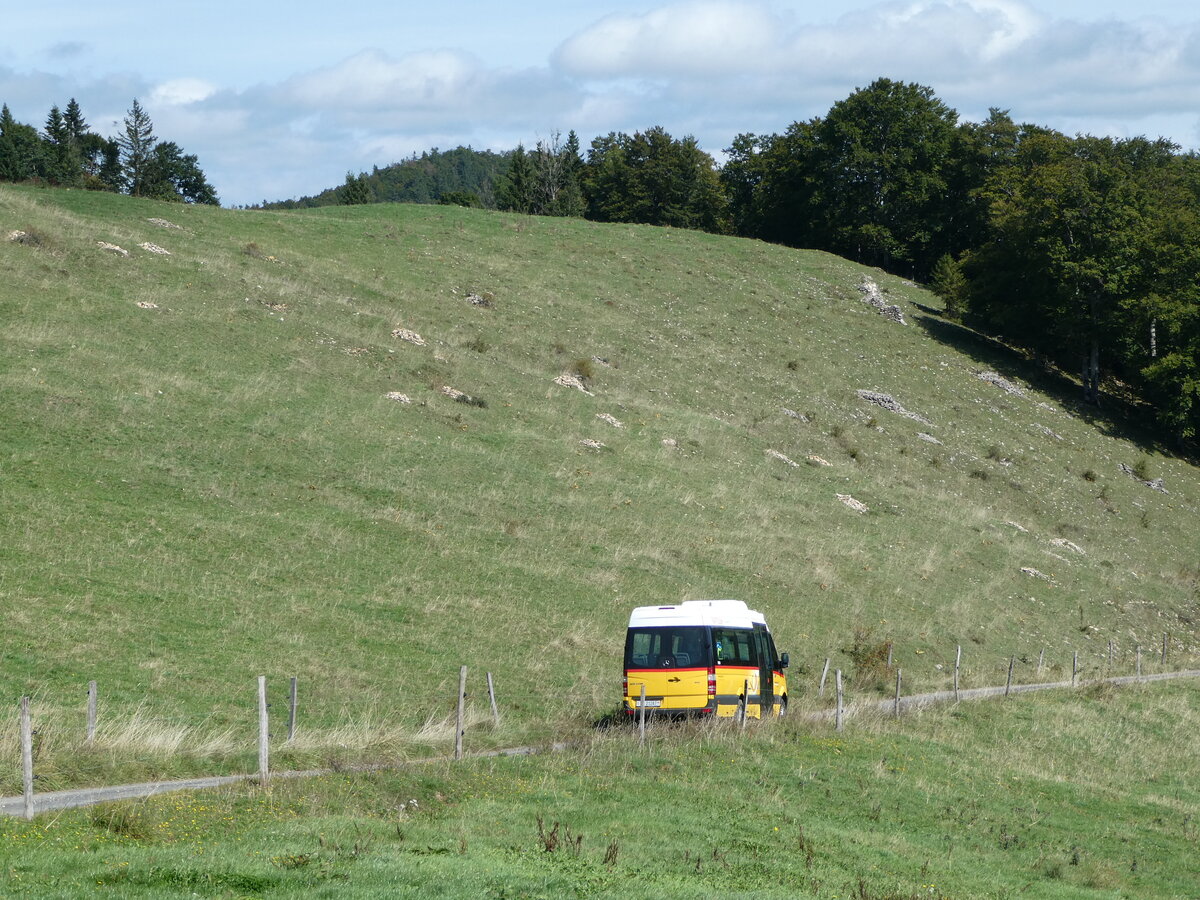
{"x":712,"y":681}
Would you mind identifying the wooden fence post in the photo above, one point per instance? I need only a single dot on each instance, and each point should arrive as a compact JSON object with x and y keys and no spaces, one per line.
{"x":1041,"y":662}
{"x":1164,"y":650}
{"x":1110,"y":653}
{"x":824,"y":673}
{"x":27,"y":757}
{"x":1137,"y":660}
{"x":1074,"y":667}
{"x":889,"y":654}
{"x":642,"y":717}
{"x":899,"y":675}
{"x":1008,"y":684}
{"x":745,"y":702}
{"x":957,"y":663}
{"x":838,"y":715}
{"x":459,"y":727}
{"x":492,"y":700}
{"x":264,"y":737}
{"x":293,"y":704}
{"x":91,"y":713}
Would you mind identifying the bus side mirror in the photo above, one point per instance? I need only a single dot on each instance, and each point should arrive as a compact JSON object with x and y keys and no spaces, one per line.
{"x":784,"y":662}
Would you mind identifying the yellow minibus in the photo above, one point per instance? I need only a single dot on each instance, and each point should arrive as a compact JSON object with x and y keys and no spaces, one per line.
{"x":703,"y":657}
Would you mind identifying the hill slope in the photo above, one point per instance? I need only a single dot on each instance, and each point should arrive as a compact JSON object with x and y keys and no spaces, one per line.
{"x":205,"y":478}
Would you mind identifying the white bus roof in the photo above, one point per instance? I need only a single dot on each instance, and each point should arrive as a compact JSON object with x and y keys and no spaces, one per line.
{"x":720,"y":613}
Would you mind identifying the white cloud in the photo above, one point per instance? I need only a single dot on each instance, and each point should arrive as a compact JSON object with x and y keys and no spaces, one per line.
{"x":974,"y":53}
{"x":705,"y":37}
{"x":180,"y":92}
{"x":729,"y":37}
{"x":372,"y":79}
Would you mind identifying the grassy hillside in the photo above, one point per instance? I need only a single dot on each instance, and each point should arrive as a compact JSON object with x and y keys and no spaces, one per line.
{"x":204,"y":478}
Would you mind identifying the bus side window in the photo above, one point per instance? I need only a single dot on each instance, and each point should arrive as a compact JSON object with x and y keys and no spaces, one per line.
{"x":774,"y":652}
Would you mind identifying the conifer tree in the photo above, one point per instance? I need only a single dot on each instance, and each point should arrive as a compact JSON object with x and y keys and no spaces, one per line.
{"x":356,"y":190}
{"x":137,"y":145}
{"x":73,"y":119}
{"x":62,"y":164}
{"x":516,"y":189}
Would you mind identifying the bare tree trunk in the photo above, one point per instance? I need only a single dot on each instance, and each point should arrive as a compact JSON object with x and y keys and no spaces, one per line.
{"x":1091,"y":365}
{"x":1091,"y":374}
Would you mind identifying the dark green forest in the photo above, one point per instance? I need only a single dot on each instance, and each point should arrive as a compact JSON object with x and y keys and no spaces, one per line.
{"x":67,"y":153}
{"x":1081,"y":251}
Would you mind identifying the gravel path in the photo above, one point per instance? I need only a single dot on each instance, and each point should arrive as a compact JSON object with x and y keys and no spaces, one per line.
{"x":52,"y":800}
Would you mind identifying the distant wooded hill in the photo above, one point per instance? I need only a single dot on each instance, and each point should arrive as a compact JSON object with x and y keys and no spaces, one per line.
{"x":464,"y":176}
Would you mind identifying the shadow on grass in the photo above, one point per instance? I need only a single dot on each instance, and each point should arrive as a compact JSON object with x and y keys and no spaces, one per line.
{"x":1117,"y":416}
{"x":617,"y":718}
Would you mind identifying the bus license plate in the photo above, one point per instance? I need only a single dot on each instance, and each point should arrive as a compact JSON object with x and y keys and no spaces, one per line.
{"x":649,"y":703}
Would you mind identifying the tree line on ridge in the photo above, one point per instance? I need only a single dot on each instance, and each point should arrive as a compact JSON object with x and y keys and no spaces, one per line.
{"x":67,"y":153}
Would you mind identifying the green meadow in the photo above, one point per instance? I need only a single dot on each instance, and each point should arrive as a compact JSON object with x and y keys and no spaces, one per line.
{"x":209,"y":473}
{"x":1081,"y":795}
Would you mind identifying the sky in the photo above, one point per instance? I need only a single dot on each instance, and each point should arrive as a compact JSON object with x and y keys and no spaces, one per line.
{"x":281,"y":100}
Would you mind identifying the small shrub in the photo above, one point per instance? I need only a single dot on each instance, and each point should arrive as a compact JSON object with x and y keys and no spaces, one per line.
{"x":950,"y":283}
{"x":870,"y":660}
{"x":1090,"y":475}
{"x":837,"y":431}
{"x":584,"y":369}
{"x":253,"y":250}
{"x":994,"y":453}
{"x":793,"y":365}
{"x":1142,"y":470}
{"x":980,"y":474}
{"x":478,"y":345}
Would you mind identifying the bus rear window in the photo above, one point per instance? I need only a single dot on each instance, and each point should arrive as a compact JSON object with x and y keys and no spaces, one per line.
{"x":667,"y":647}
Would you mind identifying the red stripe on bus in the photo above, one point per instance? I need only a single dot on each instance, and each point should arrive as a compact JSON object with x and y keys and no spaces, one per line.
{"x":699,"y":669}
